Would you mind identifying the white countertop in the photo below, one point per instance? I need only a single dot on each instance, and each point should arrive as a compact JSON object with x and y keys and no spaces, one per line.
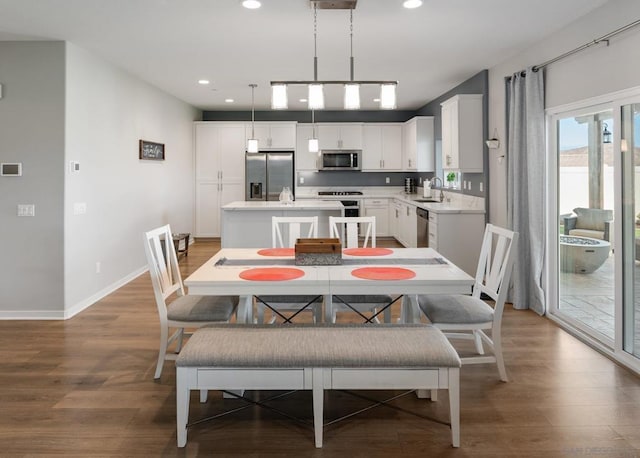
{"x":458,"y":203}
{"x":275,"y":205}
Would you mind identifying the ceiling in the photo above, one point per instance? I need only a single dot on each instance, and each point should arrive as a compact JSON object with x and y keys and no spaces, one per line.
{"x":174,"y":43}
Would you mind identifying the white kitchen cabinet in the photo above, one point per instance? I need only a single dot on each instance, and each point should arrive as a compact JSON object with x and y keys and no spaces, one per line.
{"x":382,"y":147}
{"x":379,"y":208}
{"x":418,"y":146}
{"x":273,"y":135}
{"x":407,"y":221}
{"x":210,"y":197}
{"x":458,"y":237}
{"x":462,"y":144}
{"x":340,"y":136}
{"x":219,"y":172}
{"x":304,"y":159}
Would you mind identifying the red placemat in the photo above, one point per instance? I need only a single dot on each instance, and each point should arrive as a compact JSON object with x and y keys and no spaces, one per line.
{"x":383,"y":273}
{"x":271,"y":274}
{"x":367,"y":251}
{"x":277,"y":252}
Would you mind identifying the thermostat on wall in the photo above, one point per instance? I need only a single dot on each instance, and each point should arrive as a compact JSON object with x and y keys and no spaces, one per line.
{"x":11,"y":169}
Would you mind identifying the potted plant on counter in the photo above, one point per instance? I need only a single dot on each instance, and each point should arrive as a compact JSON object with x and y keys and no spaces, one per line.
{"x":451,"y":178}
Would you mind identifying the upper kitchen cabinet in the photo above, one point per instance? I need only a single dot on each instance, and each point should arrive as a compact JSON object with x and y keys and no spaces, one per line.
{"x":274,"y":135}
{"x":462,"y":144}
{"x":340,"y":136}
{"x":304,"y":159}
{"x":219,"y":151}
{"x":418,"y":144}
{"x":382,"y":147}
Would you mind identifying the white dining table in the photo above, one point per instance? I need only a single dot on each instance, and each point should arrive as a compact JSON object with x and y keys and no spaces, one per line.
{"x":434,"y":274}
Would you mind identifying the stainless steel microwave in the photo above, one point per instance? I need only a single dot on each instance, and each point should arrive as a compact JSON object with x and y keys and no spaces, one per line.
{"x":341,"y":159}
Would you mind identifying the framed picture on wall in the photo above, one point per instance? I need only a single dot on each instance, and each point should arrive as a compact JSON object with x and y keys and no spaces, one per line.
{"x":151,"y":151}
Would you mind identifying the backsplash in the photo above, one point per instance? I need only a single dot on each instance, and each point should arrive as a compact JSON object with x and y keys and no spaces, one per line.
{"x":368,"y":179}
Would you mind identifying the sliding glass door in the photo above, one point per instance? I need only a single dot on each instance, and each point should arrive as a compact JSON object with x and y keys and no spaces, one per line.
{"x":585,"y":221}
{"x":594,"y":236}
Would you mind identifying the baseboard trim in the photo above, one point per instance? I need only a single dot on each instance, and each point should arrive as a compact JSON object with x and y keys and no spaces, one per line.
{"x":75,"y":309}
{"x":85,"y":303}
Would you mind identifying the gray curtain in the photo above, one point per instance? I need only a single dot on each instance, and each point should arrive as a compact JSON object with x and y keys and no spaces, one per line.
{"x":525,"y":186}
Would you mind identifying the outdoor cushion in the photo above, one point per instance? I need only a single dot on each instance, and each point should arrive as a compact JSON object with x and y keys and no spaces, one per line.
{"x":592,"y":218}
{"x":455,"y":309}
{"x":202,"y":308}
{"x":587,"y":233}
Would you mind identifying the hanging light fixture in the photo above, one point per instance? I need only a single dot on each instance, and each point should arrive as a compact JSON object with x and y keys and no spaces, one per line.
{"x":315,"y":87}
{"x":351,"y":90}
{"x":314,"y":145}
{"x":606,"y":134}
{"x":252,"y":143}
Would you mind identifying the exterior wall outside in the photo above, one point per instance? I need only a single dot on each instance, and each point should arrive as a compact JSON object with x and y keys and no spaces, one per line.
{"x":32,"y":132}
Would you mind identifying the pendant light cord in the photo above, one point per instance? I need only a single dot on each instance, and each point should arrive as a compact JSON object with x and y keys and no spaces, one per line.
{"x":253,"y":87}
{"x":351,"y":40}
{"x":315,"y":42}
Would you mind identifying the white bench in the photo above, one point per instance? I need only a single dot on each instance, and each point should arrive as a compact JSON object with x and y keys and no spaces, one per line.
{"x":317,"y":357}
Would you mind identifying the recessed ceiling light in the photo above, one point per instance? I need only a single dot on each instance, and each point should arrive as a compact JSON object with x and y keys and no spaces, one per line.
{"x":251,"y":4}
{"x":376,"y":100}
{"x":228,"y":100}
{"x":203,"y":82}
{"x":303,"y":100}
{"x":412,"y":3}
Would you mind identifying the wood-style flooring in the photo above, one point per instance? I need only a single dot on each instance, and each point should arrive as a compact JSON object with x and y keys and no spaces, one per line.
{"x":84,"y":388}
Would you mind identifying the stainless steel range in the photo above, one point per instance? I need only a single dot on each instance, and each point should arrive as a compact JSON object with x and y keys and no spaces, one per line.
{"x":351,"y":206}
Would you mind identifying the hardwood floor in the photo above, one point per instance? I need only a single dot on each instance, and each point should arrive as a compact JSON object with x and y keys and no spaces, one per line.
{"x":84,"y":387}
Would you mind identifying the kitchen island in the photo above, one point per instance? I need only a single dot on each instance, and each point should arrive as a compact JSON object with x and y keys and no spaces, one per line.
{"x":248,"y":224}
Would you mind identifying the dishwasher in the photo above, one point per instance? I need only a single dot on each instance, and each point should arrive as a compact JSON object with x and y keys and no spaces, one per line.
{"x":423,"y":227}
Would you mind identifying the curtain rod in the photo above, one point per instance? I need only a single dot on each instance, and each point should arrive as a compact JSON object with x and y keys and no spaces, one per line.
{"x":604,"y":38}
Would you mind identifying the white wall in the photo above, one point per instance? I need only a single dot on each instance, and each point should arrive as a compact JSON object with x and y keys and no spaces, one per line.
{"x":595,"y":71}
{"x":32,"y":132}
{"x":108,"y":112}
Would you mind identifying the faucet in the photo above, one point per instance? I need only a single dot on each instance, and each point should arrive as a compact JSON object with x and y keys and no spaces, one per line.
{"x":433,"y":183}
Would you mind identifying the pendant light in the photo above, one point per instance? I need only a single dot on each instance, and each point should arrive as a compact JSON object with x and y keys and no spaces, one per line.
{"x":314,"y":145}
{"x":315,"y":99}
{"x":252,"y":143}
{"x":352,"y":89}
{"x":316,"y":91}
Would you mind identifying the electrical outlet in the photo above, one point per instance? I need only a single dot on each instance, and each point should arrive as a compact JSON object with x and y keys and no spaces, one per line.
{"x":481,"y":186}
{"x":387,"y":180}
{"x":301,"y":180}
{"x":79,"y":208}
{"x":98,"y":267}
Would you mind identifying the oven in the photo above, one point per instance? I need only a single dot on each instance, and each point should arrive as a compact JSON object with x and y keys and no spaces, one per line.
{"x":351,"y":208}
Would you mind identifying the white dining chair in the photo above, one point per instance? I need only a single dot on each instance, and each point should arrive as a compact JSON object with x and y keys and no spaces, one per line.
{"x":185,"y":311}
{"x":468,"y":317}
{"x":293,"y":228}
{"x":348,"y":229}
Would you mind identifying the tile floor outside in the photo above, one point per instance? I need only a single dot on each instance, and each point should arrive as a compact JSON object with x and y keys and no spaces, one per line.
{"x":589,"y":299}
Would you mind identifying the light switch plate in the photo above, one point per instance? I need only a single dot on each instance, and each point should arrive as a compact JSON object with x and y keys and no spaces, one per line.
{"x":26,"y":210}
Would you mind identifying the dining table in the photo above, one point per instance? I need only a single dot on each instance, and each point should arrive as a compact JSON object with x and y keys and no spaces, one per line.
{"x":406,"y":272}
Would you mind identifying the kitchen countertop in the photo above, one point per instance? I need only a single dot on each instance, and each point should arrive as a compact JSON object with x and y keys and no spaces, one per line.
{"x":454,"y":206}
{"x":307,"y":204}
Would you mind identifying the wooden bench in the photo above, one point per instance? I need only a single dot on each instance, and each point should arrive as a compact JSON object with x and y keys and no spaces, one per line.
{"x":317,"y":357}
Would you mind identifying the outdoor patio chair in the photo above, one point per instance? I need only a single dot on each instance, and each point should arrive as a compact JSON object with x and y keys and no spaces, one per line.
{"x":595,"y":223}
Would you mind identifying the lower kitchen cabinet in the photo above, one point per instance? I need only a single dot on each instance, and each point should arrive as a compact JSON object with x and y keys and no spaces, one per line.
{"x":457,"y":237}
{"x":380,"y":209}
{"x":210,"y":196}
{"x":406,"y":224}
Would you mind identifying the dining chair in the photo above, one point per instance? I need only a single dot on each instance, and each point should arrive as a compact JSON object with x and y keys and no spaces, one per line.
{"x":293,"y":228}
{"x":468,"y":317}
{"x":185,"y":311}
{"x":348,"y":229}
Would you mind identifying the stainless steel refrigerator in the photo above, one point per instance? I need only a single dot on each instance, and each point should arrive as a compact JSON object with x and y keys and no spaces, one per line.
{"x":266,"y":173}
